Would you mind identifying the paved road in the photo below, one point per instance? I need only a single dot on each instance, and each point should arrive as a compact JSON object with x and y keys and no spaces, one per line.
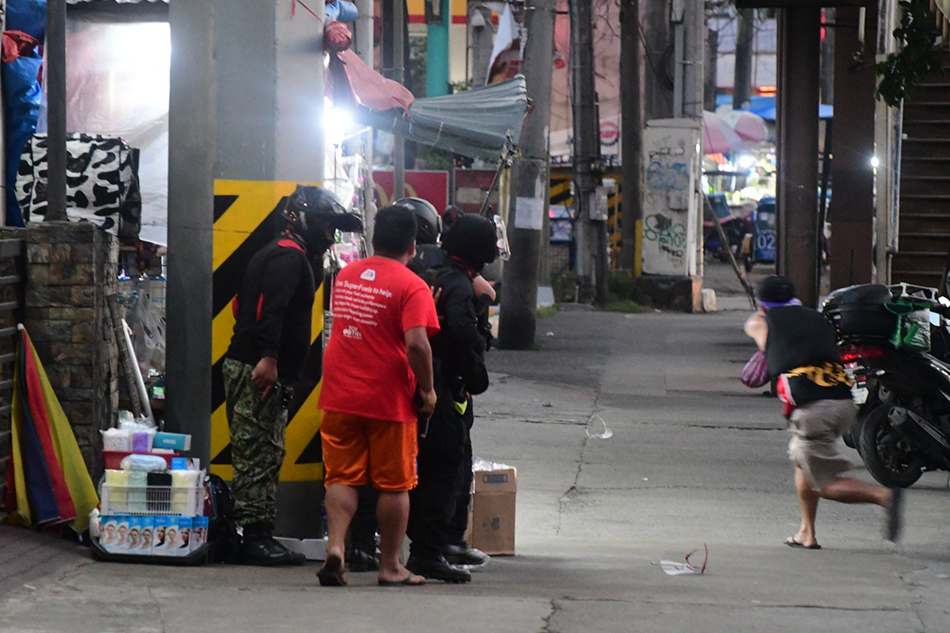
{"x":696,"y":458}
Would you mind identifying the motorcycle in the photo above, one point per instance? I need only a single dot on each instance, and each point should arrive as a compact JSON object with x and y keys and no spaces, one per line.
{"x":895,"y":343}
{"x":717,"y":211}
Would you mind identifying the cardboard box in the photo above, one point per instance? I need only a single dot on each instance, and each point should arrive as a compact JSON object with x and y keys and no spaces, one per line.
{"x":174,"y":441}
{"x":492,"y":528}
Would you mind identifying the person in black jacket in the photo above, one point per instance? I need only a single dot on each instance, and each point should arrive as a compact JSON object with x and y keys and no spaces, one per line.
{"x":271,"y":340}
{"x":439,"y":504}
{"x":802,"y":354}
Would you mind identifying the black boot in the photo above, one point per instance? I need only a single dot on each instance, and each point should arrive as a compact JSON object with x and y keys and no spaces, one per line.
{"x":437,"y":568}
{"x":260,"y":548}
{"x":359,"y":560}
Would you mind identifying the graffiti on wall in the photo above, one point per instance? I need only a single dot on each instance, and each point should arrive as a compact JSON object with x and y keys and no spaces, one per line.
{"x":668,"y":176}
{"x":669,"y":236}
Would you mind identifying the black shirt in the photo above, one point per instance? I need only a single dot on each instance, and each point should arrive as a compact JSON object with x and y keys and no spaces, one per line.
{"x":274,"y":309}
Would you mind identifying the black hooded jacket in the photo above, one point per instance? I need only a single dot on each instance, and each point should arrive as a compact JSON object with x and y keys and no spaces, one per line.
{"x":459,"y":347}
{"x":274,"y":308}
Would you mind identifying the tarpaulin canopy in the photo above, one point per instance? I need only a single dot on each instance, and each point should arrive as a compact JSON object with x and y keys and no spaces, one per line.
{"x":479,"y":123}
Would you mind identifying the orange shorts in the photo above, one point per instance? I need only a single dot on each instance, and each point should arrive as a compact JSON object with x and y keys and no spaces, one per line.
{"x":358,"y":450}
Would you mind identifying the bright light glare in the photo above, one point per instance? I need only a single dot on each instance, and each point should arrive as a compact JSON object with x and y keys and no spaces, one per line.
{"x":875,"y":162}
{"x":337,"y":122}
{"x":746,"y":161}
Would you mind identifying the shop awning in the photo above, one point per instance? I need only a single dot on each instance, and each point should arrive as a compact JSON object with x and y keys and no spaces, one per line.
{"x":478,"y":123}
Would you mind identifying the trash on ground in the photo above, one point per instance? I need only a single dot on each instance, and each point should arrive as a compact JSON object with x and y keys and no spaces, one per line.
{"x":597,"y":428}
{"x":693,"y":563}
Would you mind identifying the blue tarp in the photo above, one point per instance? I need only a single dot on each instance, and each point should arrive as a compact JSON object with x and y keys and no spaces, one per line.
{"x":22,"y":93}
{"x":22,"y":98}
{"x":28,"y":16}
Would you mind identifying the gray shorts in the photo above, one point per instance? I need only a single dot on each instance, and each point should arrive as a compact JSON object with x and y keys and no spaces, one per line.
{"x":815,"y":428}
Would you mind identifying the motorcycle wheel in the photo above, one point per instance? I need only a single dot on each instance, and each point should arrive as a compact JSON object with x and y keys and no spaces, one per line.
{"x":890,"y":458}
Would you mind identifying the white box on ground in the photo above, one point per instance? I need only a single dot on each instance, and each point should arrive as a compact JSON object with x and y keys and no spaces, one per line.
{"x":709,"y":300}
{"x":311,"y":548}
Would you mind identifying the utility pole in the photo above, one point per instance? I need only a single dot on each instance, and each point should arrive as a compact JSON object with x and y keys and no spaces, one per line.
{"x":590,"y":232}
{"x":399,"y":75}
{"x":56,"y":113}
{"x":742,"y":82}
{"x":364,"y":48}
{"x":631,"y":104}
{"x":479,"y":43}
{"x":711,"y":80}
{"x":529,"y":185}
{"x":658,"y":84}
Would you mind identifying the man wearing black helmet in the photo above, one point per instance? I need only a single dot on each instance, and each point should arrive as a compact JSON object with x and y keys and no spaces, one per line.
{"x":271,"y":340}
{"x":438,"y":506}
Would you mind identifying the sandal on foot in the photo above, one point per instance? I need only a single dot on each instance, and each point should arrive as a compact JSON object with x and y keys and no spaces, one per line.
{"x":411,"y":581}
{"x":332,"y":573}
{"x":791,"y":542}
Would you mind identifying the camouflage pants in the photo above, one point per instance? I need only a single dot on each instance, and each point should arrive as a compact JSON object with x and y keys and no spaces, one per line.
{"x":257,"y":443}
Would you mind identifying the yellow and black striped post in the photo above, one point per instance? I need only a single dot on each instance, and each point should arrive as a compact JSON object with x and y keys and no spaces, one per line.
{"x":244,"y":221}
{"x":561,"y":195}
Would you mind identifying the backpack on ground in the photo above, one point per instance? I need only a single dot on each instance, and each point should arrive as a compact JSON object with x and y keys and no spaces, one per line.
{"x":223,"y":537}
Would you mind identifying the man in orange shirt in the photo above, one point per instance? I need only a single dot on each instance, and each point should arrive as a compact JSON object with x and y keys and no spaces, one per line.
{"x":377,"y":379}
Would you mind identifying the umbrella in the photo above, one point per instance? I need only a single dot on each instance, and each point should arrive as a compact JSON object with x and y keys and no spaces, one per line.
{"x":47,"y":482}
{"x":718,"y":135}
{"x":749,"y":126}
{"x":767,"y":112}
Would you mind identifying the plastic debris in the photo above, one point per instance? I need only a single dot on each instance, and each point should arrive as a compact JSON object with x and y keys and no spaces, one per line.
{"x":597,"y":428}
{"x":690,"y":564}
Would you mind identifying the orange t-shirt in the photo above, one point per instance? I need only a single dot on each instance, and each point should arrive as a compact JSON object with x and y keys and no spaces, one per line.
{"x":365,"y":368}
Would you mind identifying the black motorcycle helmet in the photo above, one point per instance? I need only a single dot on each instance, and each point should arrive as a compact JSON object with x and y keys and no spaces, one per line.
{"x":428,"y":220}
{"x":311,"y":210}
{"x":472,"y":239}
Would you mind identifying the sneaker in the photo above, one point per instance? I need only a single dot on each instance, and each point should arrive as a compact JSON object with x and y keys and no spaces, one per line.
{"x":465,"y":556}
{"x":437,"y":568}
{"x":894,"y":519}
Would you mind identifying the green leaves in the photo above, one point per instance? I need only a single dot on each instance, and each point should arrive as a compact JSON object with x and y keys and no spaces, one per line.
{"x":916,"y":57}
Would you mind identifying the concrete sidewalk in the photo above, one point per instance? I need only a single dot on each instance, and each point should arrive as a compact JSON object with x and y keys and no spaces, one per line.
{"x":695,"y":460}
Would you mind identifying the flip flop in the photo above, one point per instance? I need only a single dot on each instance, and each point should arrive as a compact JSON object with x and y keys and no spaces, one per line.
{"x":793,"y":543}
{"x":332,"y":574}
{"x":411,"y":580}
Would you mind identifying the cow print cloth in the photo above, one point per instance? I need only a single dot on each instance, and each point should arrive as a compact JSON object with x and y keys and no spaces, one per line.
{"x":101,"y":183}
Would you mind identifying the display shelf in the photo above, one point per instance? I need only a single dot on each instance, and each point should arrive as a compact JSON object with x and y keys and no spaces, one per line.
{"x":198,"y":557}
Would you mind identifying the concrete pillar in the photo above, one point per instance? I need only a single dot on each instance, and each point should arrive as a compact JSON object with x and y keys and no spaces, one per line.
{"x":192,"y":135}
{"x":437,"y":53}
{"x":852,"y":205}
{"x":246,"y":103}
{"x":797,"y":136}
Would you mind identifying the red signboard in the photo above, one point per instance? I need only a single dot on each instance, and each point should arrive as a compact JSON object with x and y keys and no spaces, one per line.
{"x":471,"y":185}
{"x":432,"y":186}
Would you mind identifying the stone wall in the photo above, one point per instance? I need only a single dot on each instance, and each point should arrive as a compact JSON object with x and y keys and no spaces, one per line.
{"x":71,"y":272}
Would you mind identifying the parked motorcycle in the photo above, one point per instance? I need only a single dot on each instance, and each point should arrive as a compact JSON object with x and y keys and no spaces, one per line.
{"x":895,"y":342}
{"x":717,"y":212}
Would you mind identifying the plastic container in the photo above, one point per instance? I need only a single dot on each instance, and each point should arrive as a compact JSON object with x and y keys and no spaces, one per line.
{"x":150,"y":501}
{"x":113,"y":459}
